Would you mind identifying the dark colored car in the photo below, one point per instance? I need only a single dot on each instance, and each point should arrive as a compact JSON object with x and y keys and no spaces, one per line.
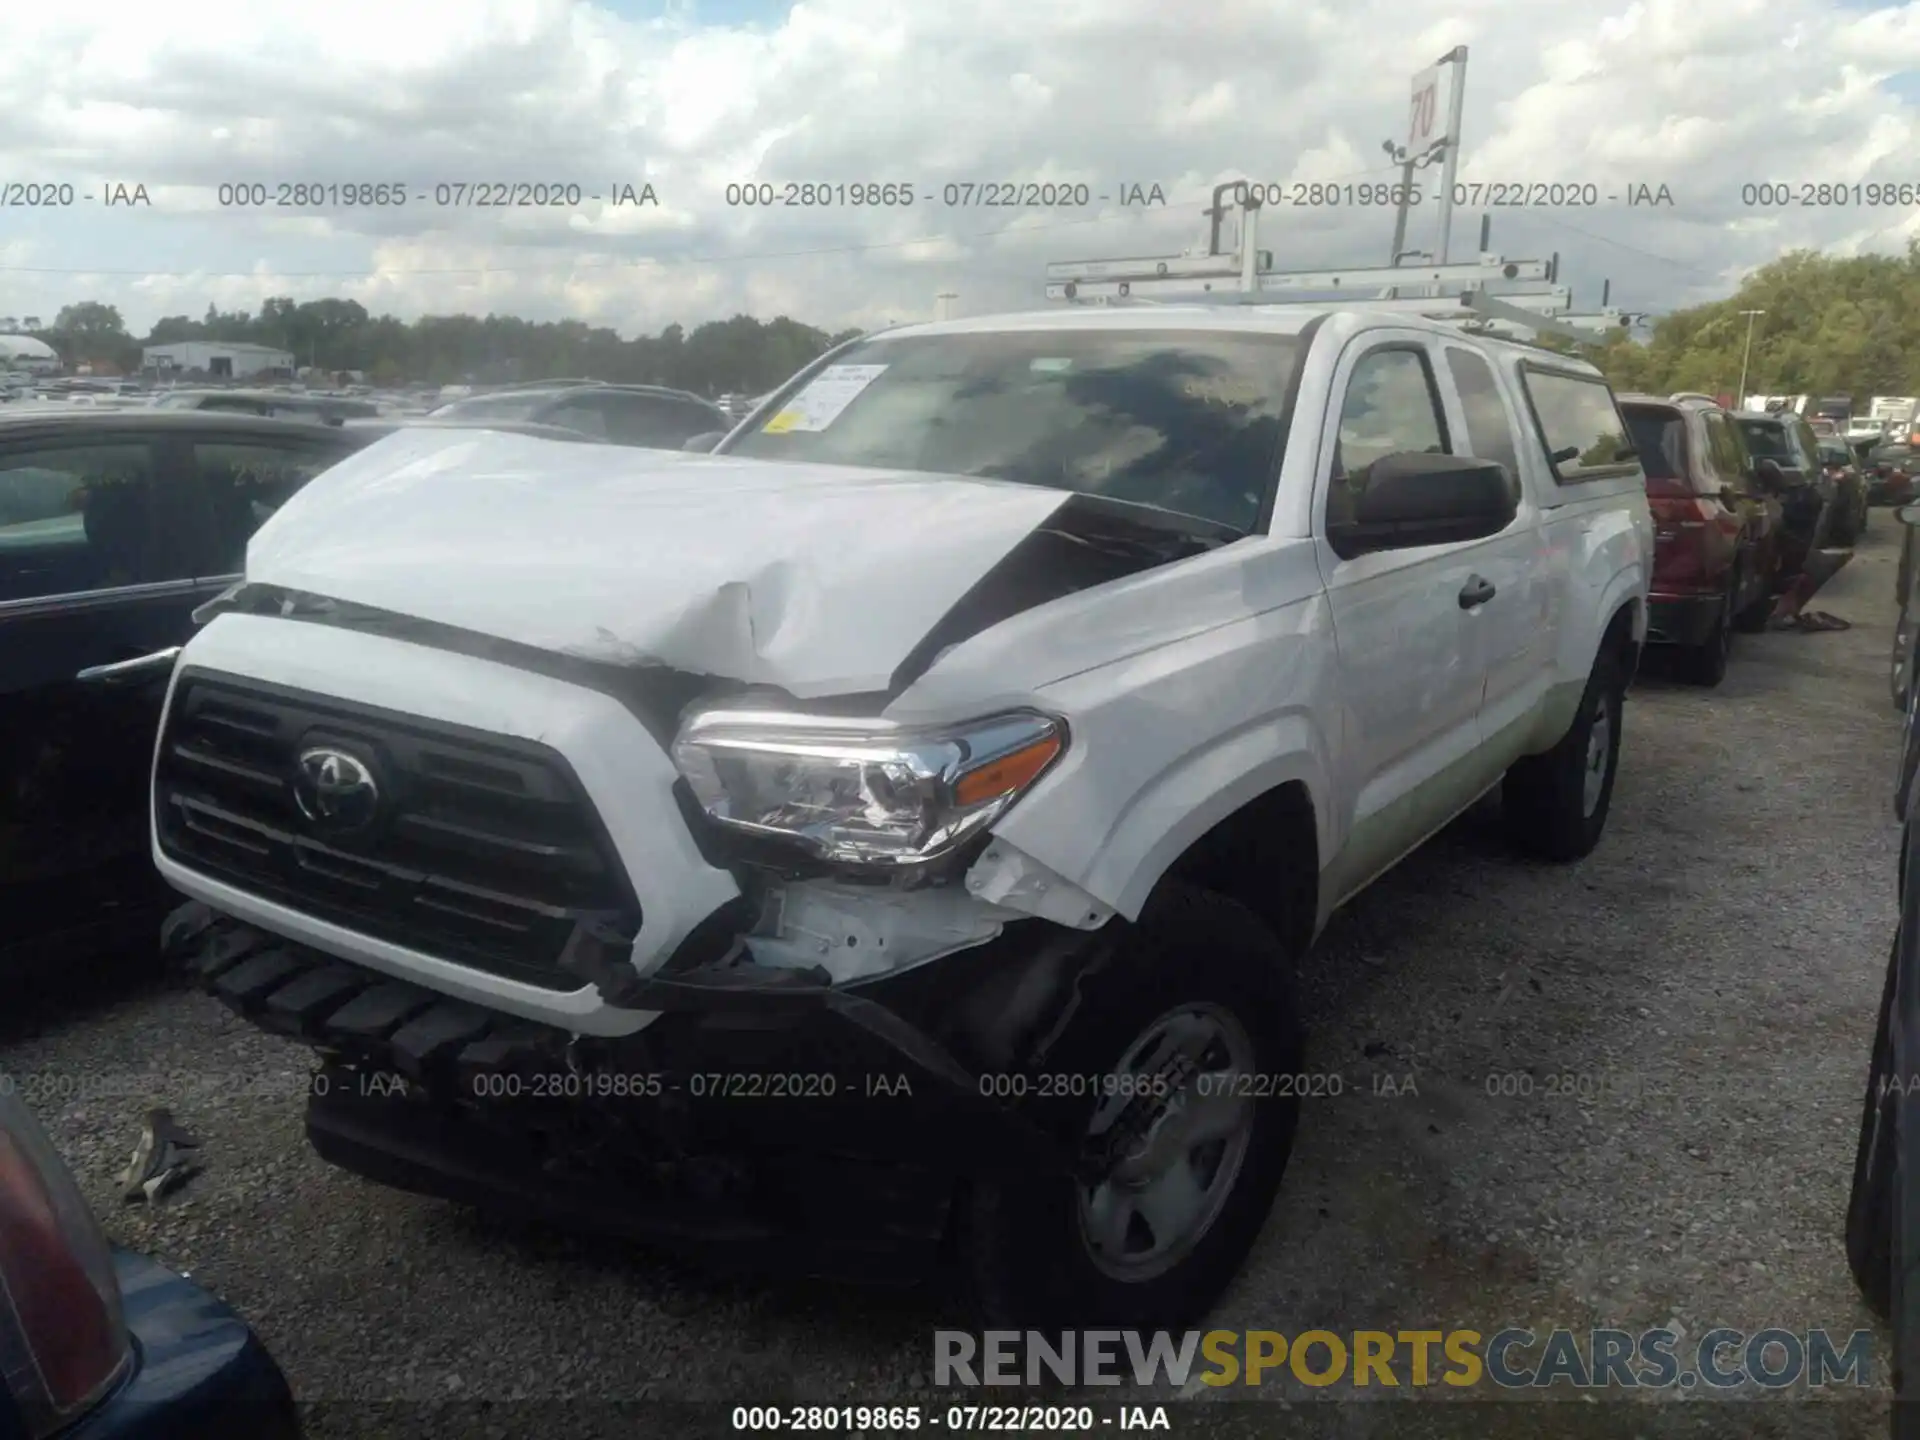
{"x":114,"y":525}
{"x":387,"y":424}
{"x":271,"y":404}
{"x":649,"y":416}
{"x":1906,"y":629}
{"x":1890,"y":473}
{"x":1786,"y":459}
{"x":1839,"y":464}
{"x":103,"y":1344}
{"x":1716,"y":535}
{"x":1883,"y":1204}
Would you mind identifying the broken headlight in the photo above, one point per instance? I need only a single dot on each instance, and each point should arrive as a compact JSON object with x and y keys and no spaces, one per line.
{"x":862,"y":792}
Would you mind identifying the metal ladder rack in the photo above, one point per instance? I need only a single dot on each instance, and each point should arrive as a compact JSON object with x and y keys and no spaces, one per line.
{"x":1483,"y":294}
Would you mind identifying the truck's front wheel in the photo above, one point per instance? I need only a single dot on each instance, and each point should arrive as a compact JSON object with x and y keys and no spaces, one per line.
{"x":1178,"y":1080}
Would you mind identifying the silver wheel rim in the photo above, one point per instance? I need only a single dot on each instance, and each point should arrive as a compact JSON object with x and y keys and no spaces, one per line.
{"x":1176,"y":1155}
{"x":1599,"y":752}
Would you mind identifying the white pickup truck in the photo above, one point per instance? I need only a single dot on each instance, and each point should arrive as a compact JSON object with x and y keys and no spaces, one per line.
{"x":889,"y":837}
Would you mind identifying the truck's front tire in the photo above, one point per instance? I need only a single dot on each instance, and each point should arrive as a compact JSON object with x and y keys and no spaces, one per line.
{"x":1556,"y":804}
{"x":1197,"y":992}
{"x":1870,"y":1217}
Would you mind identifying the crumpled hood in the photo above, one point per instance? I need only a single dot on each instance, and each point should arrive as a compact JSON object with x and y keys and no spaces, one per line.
{"x":818,"y":579}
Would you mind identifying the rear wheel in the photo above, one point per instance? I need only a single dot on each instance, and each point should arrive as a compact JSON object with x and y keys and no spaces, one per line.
{"x":1556,"y":804}
{"x":1706,"y":663}
{"x":1183,"y":1154}
{"x":1754,"y":617}
{"x":1845,"y":524}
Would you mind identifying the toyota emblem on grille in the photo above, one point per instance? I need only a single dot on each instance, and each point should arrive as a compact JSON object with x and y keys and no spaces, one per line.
{"x":334,"y":788}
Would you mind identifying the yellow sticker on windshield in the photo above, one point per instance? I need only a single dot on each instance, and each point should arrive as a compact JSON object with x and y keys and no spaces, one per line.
{"x":782,"y":423}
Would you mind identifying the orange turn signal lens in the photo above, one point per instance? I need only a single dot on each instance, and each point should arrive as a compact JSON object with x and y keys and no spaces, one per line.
{"x":1009,"y":772}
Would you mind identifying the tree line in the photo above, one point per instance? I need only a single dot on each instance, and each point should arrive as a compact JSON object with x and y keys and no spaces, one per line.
{"x":1830,"y":326}
{"x":742,"y":355}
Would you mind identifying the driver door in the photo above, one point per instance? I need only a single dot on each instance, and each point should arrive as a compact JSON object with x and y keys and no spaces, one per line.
{"x":1410,"y":675}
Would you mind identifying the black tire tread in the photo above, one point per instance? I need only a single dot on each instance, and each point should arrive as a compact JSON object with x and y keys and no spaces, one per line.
{"x":1870,"y":1218}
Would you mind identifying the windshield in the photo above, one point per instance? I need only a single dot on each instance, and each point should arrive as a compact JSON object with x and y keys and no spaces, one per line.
{"x":492,"y":407}
{"x":1660,"y":437}
{"x":1186,"y":421}
{"x":1766,"y":441}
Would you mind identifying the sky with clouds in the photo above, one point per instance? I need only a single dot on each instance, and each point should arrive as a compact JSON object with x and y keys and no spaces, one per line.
{"x":1705,"y":97}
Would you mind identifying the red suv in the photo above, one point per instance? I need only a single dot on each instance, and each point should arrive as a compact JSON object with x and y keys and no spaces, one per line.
{"x":1716,"y":534}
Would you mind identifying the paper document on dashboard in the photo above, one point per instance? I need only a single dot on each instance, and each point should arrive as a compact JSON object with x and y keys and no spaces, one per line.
{"x":826,"y":395}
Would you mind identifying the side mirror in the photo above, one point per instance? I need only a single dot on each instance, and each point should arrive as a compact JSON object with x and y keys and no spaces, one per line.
{"x":1413,"y":499}
{"x":703,"y":442}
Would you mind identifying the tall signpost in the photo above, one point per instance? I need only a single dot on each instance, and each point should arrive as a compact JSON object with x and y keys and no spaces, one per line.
{"x":1456,"y":103}
{"x":1433,"y":133}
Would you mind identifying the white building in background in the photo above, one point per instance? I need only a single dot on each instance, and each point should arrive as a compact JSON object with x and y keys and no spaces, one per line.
{"x":220,"y":359}
{"x":23,"y":352}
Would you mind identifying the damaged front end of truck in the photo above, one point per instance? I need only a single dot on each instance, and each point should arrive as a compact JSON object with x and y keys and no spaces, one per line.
{"x":855,"y":1020}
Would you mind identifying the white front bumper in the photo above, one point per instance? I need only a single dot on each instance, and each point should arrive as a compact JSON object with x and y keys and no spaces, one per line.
{"x":625,"y":773}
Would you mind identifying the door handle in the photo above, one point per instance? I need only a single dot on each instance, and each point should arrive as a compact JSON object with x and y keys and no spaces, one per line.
{"x":1477,"y":591}
{"x":120,"y":672}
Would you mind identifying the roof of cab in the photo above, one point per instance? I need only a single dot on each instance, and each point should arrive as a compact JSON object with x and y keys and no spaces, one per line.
{"x":1278,"y":318}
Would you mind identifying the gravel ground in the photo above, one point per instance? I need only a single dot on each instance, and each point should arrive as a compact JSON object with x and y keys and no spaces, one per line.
{"x":1703,"y":988}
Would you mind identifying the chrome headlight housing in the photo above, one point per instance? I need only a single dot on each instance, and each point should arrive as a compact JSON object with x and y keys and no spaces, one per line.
{"x":862,"y":791}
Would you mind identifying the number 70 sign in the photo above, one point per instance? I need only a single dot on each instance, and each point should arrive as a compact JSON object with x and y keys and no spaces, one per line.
{"x":1424,"y":115}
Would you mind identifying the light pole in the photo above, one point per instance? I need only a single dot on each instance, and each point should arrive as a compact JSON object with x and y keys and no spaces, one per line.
{"x":1746,"y":354}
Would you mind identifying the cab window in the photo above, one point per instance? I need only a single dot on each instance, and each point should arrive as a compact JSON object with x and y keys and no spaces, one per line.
{"x":1579,"y":425}
{"x":1489,"y":429}
{"x":1390,"y":407}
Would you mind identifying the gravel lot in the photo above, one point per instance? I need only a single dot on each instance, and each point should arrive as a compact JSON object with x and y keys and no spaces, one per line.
{"x":1708,"y":978}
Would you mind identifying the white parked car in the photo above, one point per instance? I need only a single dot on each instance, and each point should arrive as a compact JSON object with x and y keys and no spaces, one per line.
{"x":897,"y":830}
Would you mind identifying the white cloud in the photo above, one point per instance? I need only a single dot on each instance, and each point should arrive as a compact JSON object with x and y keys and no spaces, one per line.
{"x":1703,"y":96}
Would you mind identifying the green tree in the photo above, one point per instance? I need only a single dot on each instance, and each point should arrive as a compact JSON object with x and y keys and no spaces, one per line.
{"x":1833,"y":325}
{"x":738,"y":354}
